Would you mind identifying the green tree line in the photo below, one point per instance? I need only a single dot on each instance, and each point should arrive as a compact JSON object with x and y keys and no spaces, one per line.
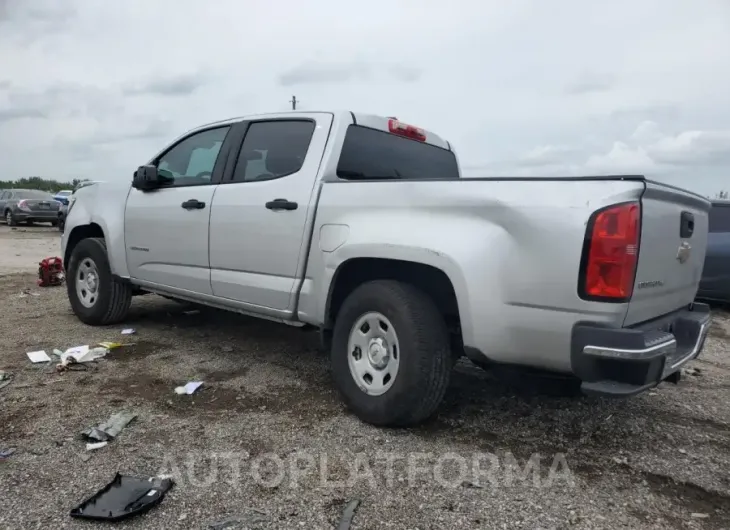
{"x":40,"y":183}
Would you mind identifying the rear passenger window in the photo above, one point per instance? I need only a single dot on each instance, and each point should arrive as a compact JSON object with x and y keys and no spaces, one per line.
{"x":273,"y":149}
{"x":720,"y":218}
{"x":373,"y":154}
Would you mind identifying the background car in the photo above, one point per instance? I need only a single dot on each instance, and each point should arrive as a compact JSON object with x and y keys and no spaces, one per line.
{"x":18,"y":205}
{"x":715,"y":284}
{"x":62,"y":196}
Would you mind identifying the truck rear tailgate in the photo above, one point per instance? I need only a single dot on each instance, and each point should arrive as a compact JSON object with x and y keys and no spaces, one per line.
{"x":672,"y":248}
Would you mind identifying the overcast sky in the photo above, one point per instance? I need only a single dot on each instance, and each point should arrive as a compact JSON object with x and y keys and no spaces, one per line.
{"x":93,"y":88}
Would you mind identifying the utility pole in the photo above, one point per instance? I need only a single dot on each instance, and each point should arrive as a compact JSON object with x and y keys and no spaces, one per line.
{"x":293,"y":102}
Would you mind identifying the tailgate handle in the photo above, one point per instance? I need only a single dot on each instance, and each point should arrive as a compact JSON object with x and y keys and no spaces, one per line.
{"x":687,"y":225}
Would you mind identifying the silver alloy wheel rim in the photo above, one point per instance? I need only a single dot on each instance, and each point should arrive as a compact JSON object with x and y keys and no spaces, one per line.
{"x":373,"y":353}
{"x":8,"y":217}
{"x":87,"y":282}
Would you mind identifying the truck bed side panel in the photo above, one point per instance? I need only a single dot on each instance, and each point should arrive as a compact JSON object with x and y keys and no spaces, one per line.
{"x":511,"y":249}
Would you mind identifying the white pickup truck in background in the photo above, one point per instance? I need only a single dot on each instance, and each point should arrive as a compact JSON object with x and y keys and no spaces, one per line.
{"x":362,"y":227}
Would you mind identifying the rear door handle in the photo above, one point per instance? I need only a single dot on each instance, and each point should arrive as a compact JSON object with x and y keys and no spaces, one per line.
{"x":687,"y":225}
{"x":193,"y":204}
{"x":281,"y":204}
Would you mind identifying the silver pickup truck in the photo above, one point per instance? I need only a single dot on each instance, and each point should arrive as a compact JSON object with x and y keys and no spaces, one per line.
{"x":362,"y":227}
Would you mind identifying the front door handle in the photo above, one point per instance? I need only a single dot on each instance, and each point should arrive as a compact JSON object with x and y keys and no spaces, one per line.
{"x":281,"y":204}
{"x":193,"y":204}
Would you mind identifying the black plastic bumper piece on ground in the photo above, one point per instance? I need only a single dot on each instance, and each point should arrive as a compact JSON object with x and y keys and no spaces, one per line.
{"x":622,"y":362}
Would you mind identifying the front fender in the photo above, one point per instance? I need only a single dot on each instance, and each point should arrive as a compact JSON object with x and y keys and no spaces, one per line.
{"x":104,"y":208}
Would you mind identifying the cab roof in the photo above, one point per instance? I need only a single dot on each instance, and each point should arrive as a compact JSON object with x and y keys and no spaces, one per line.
{"x":373,"y":121}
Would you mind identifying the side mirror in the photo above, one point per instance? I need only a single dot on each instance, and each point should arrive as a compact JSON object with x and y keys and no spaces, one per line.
{"x":146,"y":178}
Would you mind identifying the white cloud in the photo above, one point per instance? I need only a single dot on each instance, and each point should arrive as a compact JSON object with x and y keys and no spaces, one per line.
{"x":521,"y":87}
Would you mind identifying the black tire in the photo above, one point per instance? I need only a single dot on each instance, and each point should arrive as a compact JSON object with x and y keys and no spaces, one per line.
{"x":114,"y":297}
{"x":10,"y":218}
{"x":54,"y":223}
{"x":425,"y":359}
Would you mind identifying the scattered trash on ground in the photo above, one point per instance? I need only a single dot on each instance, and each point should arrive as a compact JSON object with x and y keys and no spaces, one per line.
{"x":696,"y":515}
{"x":110,"y":429}
{"x":253,"y":517}
{"x":692,"y":371}
{"x":74,"y":357}
{"x":26,"y":293}
{"x":50,"y":272}
{"x":124,"y":497}
{"x":5,"y":378}
{"x":113,"y":345}
{"x":5,"y":453}
{"x":84,"y":354}
{"x":95,"y":446}
{"x":348,"y":514}
{"x":189,"y":388}
{"x":39,"y":356}
{"x":129,"y":331}
{"x":469,"y":484}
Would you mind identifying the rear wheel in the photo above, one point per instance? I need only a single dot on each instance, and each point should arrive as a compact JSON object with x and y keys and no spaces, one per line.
{"x":391,"y":356}
{"x":96,"y":297}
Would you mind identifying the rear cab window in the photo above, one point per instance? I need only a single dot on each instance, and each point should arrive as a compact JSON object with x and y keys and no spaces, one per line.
{"x":369,"y":154}
{"x":720,"y":218}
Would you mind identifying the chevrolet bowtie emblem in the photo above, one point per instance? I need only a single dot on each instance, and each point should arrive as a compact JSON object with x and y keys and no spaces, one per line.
{"x":683,"y":252}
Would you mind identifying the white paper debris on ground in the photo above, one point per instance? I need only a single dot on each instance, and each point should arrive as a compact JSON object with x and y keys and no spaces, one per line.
{"x":39,"y":356}
{"x":189,"y":388}
{"x":76,"y":351}
{"x":95,"y":446}
{"x":82,"y":354}
{"x":129,"y":331}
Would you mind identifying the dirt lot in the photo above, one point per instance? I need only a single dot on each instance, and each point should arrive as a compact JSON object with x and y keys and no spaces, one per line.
{"x":267,"y":442}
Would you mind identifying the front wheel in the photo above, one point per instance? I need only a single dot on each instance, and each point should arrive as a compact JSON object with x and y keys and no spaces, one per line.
{"x":96,"y":297}
{"x":391,"y":357}
{"x":10,"y":218}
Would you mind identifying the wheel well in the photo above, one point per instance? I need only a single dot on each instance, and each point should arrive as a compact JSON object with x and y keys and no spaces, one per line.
{"x":79,"y":233}
{"x":430,"y":280}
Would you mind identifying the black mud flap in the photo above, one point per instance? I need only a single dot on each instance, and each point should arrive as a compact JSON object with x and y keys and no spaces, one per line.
{"x":124,"y":497}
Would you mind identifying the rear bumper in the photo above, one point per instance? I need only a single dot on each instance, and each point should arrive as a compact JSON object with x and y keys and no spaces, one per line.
{"x":41,"y":217}
{"x":626,"y":361}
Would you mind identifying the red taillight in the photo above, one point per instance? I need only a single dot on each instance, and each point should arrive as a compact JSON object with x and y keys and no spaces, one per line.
{"x":611,"y":253}
{"x":23,"y":205}
{"x":409,"y":131}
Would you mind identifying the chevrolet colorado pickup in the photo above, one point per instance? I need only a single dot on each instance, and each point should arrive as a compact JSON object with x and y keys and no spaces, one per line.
{"x":363,"y":227}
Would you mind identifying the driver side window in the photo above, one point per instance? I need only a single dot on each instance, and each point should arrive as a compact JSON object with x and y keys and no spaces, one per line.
{"x":191,"y":162}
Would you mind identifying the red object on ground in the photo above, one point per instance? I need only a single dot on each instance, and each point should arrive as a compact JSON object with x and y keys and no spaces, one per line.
{"x":50,"y":272}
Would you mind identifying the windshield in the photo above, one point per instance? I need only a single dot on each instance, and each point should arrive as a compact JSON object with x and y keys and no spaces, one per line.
{"x":64,"y":193}
{"x":34,"y":194}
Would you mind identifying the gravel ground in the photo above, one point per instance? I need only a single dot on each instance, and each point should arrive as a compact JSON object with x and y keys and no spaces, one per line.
{"x":267,"y":442}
